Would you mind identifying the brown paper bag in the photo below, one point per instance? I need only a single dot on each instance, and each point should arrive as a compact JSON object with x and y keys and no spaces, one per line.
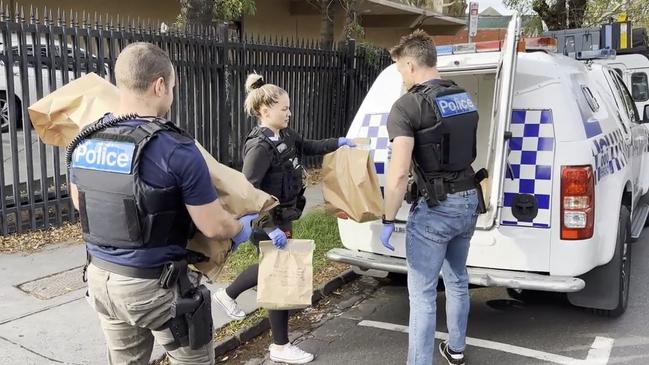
{"x":350,"y":184}
{"x":285,"y":278}
{"x":58,"y":117}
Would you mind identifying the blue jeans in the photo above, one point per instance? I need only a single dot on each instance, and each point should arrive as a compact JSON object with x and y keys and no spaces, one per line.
{"x":438,"y":239}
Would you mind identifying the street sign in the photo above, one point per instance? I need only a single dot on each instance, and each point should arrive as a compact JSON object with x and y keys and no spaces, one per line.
{"x":473,"y":19}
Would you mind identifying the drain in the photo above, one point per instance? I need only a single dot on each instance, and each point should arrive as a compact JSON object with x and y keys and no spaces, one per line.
{"x":55,"y":285}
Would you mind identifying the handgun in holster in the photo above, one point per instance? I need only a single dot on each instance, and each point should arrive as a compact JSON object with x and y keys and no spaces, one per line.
{"x":479,"y":176}
{"x":432,"y":190}
{"x":191,"y":322}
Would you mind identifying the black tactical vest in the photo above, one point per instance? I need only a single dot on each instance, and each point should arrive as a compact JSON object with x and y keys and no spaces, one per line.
{"x":118,"y":209}
{"x":450,"y":144}
{"x":284,"y":178}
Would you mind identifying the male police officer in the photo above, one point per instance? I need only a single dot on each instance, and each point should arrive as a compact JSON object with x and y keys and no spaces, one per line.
{"x":141,"y":185}
{"x":433,"y":128}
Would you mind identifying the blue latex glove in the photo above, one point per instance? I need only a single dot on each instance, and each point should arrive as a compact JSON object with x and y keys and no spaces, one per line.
{"x":245,"y":232}
{"x":342,"y":141}
{"x":386,"y":233}
{"x":279,"y":237}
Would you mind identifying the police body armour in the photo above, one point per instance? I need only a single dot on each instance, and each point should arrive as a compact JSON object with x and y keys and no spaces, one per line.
{"x":284,"y":178}
{"x":450,"y":144}
{"x":118,"y":209}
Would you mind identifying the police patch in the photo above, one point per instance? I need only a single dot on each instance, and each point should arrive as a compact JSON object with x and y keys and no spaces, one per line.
{"x":102,"y":155}
{"x":454,"y":104}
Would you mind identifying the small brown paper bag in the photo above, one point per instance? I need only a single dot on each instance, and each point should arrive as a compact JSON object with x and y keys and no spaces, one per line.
{"x":58,"y":117}
{"x":285,"y":278}
{"x":350,"y":184}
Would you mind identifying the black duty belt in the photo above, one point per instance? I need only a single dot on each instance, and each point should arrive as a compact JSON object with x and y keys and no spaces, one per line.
{"x":130,"y":271}
{"x":459,"y":186}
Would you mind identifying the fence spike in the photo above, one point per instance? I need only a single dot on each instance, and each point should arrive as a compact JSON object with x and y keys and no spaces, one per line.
{"x":37,"y":18}
{"x":64,"y":21}
{"x":32,"y":19}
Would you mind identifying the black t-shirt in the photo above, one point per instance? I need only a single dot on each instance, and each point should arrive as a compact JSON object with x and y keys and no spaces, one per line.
{"x":411,"y":113}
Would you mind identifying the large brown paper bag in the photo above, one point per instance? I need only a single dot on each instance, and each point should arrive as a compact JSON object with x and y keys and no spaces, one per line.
{"x":350,"y":184}
{"x":58,"y":117}
{"x":285,"y":278}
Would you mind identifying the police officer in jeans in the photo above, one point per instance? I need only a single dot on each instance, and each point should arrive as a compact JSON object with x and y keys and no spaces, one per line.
{"x":271,"y":163}
{"x":433,"y":129}
{"x":142,"y":188}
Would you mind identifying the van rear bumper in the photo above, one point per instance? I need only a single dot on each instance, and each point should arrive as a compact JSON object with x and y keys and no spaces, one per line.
{"x":477,"y":276}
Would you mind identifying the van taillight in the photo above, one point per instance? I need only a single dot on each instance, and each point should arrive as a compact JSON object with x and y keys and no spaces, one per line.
{"x":577,"y":202}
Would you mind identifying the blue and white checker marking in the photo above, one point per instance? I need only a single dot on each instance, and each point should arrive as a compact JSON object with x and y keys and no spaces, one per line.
{"x":611,"y":154}
{"x":102,"y":155}
{"x":375,"y":128}
{"x":531,"y":158}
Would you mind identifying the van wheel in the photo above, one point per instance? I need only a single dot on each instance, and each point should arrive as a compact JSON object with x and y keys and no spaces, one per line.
{"x":5,"y":119}
{"x":624,"y":247}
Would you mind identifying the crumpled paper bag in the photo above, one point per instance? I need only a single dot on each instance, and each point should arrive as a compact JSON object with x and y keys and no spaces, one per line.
{"x":58,"y":117}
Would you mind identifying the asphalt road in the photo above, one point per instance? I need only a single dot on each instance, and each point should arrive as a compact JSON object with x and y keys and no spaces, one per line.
{"x":502,"y":331}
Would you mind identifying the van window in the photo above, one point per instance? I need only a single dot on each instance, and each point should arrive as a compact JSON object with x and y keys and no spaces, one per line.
{"x":590,"y":98}
{"x":627,"y":100}
{"x":639,"y":86}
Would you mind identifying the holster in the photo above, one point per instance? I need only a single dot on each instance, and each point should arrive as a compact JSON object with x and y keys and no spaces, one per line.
{"x":432,"y":191}
{"x":479,"y":176}
{"x":412,"y":192}
{"x":191,"y":323}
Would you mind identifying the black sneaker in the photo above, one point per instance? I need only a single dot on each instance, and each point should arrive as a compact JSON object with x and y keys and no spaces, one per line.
{"x":452,"y":358}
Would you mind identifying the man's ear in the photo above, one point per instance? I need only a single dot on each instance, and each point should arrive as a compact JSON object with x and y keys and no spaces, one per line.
{"x":160,"y":87}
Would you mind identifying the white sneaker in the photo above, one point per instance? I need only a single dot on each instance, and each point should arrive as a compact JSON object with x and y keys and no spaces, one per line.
{"x":289,"y":354}
{"x":228,"y":304}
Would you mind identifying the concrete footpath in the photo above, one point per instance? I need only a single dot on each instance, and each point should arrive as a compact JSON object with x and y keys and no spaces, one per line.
{"x":45,"y":318}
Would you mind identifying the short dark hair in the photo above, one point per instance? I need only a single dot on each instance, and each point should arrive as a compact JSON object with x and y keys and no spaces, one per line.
{"x":139,"y":64}
{"x":418,"y":45}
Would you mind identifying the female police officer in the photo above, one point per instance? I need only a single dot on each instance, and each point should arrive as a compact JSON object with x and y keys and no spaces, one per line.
{"x":271,"y":163}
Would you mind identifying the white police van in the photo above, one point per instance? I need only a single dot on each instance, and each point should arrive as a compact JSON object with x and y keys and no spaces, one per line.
{"x":567,"y":158}
{"x":634,"y":71}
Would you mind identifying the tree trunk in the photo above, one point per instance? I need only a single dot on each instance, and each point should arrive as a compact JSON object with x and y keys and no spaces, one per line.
{"x":327,"y":12}
{"x":197,"y":12}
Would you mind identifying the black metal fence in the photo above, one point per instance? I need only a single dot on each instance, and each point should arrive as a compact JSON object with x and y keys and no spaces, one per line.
{"x":42,"y":51}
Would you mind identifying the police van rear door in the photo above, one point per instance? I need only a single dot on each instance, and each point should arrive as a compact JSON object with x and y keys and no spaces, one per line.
{"x":501,"y":118}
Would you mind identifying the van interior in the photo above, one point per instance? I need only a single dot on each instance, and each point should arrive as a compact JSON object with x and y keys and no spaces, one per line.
{"x":481,"y":86}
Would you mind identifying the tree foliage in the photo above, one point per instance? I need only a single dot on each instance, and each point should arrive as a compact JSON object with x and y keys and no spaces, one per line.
{"x":208,"y":12}
{"x":568,"y":14}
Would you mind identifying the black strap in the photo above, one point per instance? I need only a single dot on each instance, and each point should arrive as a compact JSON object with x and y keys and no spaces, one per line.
{"x":132,"y":218}
{"x":83,"y":213}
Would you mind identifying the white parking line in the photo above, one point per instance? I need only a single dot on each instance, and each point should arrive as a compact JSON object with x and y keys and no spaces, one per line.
{"x":599,"y":352}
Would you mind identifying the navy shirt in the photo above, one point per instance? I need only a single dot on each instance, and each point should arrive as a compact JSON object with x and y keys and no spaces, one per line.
{"x":164,"y":162}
